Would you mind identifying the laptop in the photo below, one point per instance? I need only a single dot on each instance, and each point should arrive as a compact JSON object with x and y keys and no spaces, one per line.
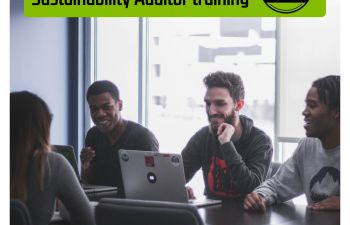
{"x":68,"y":152}
{"x":156,"y":176}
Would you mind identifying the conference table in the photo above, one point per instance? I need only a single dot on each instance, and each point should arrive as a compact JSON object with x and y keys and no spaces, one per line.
{"x":232,"y":213}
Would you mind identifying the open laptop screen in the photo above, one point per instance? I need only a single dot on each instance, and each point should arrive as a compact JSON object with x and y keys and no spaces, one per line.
{"x":68,"y":152}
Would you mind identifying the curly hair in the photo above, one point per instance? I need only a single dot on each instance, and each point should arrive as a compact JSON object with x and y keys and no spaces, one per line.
{"x":328,"y":90}
{"x":231,"y":81}
{"x":102,"y":86}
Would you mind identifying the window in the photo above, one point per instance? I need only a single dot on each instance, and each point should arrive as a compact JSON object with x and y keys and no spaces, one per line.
{"x":307,"y":49}
{"x":117,"y":59}
{"x":182,"y":51}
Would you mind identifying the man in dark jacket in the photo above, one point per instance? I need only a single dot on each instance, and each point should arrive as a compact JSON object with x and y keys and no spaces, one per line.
{"x":234,"y":155}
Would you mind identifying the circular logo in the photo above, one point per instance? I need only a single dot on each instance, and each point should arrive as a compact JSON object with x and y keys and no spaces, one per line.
{"x":175,"y":160}
{"x":125,"y":157}
{"x":151,"y":177}
{"x":286,"y":6}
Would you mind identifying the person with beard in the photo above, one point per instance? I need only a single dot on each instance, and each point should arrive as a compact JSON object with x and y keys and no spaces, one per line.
{"x":314,"y":168}
{"x":234,"y":155}
{"x":100,"y":159}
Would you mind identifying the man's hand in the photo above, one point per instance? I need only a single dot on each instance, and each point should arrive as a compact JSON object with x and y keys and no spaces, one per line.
{"x":86,"y":155}
{"x":254,"y":201}
{"x":331,"y":203}
{"x":225,"y":132}
{"x":190,"y":192}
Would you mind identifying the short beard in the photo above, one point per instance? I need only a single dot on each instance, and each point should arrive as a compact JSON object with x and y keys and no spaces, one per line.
{"x":230,"y":119}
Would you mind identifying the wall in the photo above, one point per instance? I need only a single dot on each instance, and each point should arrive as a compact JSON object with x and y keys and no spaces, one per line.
{"x":308,"y":48}
{"x":41,"y":61}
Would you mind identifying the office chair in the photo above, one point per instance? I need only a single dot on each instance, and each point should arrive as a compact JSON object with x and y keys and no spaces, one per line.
{"x":19,"y":214}
{"x":139,"y":212}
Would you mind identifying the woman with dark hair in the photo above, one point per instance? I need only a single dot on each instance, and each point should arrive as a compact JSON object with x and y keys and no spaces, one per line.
{"x":37,"y":175}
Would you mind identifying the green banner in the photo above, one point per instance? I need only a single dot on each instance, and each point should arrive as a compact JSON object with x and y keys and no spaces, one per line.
{"x":174,"y":8}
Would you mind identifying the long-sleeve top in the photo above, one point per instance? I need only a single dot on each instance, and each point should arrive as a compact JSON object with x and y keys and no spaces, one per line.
{"x":232,"y":169}
{"x":60,"y":181}
{"x":312,"y":170}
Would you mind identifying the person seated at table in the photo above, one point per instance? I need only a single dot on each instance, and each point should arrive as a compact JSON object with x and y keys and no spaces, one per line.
{"x":100,"y":158}
{"x":314,"y":167}
{"x":234,"y":155}
{"x":37,"y":175}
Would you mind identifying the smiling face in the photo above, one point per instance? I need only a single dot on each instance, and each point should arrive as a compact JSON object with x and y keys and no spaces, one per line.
{"x":105,"y":111}
{"x":220,"y":107}
{"x":320,"y":121}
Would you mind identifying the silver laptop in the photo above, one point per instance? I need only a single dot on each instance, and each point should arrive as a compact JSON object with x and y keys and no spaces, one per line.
{"x":156,"y":176}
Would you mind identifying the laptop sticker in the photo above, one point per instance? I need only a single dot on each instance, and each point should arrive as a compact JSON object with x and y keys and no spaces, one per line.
{"x":175,"y":160}
{"x":125,"y":157}
{"x":149,"y":161}
{"x":151,"y":177}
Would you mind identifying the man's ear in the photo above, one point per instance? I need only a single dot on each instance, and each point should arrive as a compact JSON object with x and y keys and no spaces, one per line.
{"x":336,"y":114}
{"x":120,"y":105}
{"x":239,"y":105}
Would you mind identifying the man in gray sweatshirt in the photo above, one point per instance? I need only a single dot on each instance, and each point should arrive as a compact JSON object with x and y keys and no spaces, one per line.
{"x":234,"y":155}
{"x":314,"y":167}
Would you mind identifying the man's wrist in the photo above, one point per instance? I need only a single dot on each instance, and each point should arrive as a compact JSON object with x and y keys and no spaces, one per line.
{"x":224,"y":142}
{"x":268,"y":200}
